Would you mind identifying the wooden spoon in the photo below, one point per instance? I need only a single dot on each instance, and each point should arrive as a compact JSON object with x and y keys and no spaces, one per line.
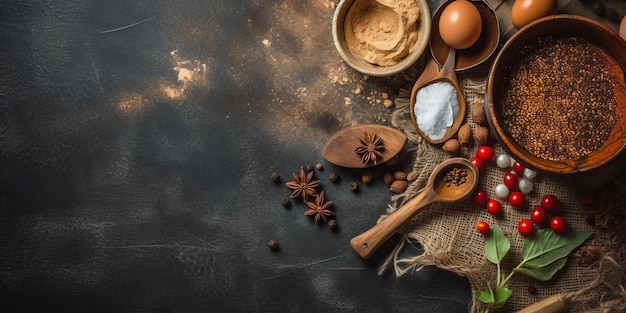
{"x":436,"y":190}
{"x":553,"y":304}
{"x":447,"y":74}
{"x":339,"y":149}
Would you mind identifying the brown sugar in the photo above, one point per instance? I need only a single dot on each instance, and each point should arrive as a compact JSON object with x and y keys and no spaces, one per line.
{"x":558,"y":101}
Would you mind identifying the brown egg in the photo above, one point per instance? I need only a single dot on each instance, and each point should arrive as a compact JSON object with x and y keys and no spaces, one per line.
{"x":622,"y":28}
{"x":460,"y":24}
{"x":525,"y":11}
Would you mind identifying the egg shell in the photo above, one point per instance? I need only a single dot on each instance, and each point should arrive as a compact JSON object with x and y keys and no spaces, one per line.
{"x":525,"y":11}
{"x":622,"y":28}
{"x":460,"y":24}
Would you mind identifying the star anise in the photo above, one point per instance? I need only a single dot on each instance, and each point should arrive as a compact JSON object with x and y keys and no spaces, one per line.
{"x":320,"y":209}
{"x":371,"y":145}
{"x":303,"y":184}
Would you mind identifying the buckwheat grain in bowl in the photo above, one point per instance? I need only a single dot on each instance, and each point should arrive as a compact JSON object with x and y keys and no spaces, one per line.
{"x":557,"y":95}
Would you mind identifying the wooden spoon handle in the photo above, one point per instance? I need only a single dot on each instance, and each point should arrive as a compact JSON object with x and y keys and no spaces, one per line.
{"x":368,"y":242}
{"x":553,"y":304}
{"x":449,"y":68}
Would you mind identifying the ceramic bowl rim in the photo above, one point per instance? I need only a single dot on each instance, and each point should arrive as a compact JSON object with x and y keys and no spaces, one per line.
{"x":374,"y":70}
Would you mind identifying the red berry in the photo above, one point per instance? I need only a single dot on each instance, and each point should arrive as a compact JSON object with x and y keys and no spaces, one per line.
{"x":482,"y":227}
{"x":480,"y":197}
{"x":494,"y":207}
{"x":557,"y":224}
{"x":518,"y":168}
{"x":549,"y":202}
{"x":477,"y":162}
{"x":510,"y":180}
{"x":486,"y":153}
{"x":516,"y":199}
{"x":525,"y":227}
{"x":538,"y":216}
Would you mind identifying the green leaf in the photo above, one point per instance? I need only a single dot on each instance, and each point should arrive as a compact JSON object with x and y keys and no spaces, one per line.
{"x":546,"y":247}
{"x":544,"y":273}
{"x":501,"y":295}
{"x":484,"y":296}
{"x":496,"y":245}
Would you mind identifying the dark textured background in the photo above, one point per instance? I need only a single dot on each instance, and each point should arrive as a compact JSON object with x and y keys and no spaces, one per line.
{"x":126,"y":190}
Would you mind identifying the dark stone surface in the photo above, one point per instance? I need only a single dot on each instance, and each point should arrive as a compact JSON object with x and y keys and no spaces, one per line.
{"x":124,"y":189}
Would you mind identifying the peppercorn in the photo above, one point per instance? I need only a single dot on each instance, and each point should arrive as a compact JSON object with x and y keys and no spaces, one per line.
{"x":353,"y":186}
{"x":333,"y":176}
{"x":286,"y":202}
{"x":273,"y":244}
{"x":275,"y":177}
{"x":455,"y":177}
{"x":332,"y":223}
{"x":319,"y":166}
{"x":598,"y":8}
{"x":309,"y":167}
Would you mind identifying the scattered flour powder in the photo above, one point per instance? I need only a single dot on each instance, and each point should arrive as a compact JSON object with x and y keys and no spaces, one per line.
{"x":436,"y":106}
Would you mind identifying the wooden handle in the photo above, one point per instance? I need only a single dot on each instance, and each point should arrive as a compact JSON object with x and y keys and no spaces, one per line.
{"x":368,"y":242}
{"x":449,"y":68}
{"x":554,"y":304}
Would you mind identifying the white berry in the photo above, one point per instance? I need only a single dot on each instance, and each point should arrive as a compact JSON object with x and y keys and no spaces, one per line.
{"x":525,"y":186}
{"x":502,"y":190}
{"x":503,"y":161}
{"x":529,"y":174}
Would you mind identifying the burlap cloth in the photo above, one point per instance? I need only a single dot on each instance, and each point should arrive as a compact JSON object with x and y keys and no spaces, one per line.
{"x":444,"y":234}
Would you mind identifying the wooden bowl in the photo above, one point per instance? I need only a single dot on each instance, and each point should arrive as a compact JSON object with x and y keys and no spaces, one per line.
{"x":478,"y":53}
{"x":357,"y":63}
{"x":613,"y":52}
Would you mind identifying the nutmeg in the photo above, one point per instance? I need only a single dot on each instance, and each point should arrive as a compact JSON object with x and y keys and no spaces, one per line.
{"x":481,"y":135}
{"x":401,"y":175}
{"x":478,"y":112}
{"x":464,"y":134}
{"x":452,"y":146}
{"x":398,"y":186}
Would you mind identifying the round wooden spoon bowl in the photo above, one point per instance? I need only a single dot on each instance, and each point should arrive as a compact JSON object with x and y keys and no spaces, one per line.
{"x":447,"y":74}
{"x":438,"y":189}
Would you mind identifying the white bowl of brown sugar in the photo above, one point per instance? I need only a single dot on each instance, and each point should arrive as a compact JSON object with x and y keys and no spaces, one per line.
{"x":556,"y":95}
{"x":381,"y":37}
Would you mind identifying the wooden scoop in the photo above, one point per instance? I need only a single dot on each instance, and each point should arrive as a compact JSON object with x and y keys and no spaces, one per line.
{"x":437,"y":190}
{"x":339,"y":149}
{"x":446,"y":74}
